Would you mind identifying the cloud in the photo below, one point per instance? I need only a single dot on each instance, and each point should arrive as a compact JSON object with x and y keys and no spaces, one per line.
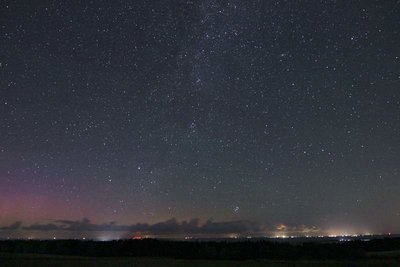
{"x":238,"y":227}
{"x":298,"y":230}
{"x":169,"y":227}
{"x":43,"y":227}
{"x":14,"y":226}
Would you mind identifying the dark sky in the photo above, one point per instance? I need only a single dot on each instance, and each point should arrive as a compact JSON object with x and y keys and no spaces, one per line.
{"x":279,"y":114}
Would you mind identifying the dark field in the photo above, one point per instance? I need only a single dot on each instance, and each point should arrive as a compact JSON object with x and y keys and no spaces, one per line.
{"x":27,"y":260}
{"x":148,"y":253}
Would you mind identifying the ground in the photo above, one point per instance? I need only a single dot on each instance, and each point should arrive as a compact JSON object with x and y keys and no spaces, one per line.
{"x":24,"y":260}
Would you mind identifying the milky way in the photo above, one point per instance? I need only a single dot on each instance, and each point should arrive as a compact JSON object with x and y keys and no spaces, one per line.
{"x":274,"y":113}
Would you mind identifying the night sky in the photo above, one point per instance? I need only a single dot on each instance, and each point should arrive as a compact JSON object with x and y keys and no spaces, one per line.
{"x":236,"y":117}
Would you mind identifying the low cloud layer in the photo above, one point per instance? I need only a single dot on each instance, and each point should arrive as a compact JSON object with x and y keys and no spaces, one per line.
{"x":14,"y":226}
{"x":170,"y":227}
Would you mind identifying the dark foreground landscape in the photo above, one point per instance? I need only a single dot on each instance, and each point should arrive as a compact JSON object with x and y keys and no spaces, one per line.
{"x":21,"y":253}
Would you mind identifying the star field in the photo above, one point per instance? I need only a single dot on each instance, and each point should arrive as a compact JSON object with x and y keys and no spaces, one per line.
{"x":275,"y":112}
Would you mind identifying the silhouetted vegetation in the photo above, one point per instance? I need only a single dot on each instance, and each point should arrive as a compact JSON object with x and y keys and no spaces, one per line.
{"x":240,"y":250}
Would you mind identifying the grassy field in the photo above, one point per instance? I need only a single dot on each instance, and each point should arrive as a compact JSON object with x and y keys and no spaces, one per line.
{"x":386,"y":254}
{"x":22,"y":260}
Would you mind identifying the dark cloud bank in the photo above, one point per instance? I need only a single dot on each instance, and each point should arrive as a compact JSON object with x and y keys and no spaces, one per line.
{"x":170,"y":227}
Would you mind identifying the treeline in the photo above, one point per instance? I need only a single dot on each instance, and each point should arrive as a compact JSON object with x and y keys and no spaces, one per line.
{"x":201,"y":250}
